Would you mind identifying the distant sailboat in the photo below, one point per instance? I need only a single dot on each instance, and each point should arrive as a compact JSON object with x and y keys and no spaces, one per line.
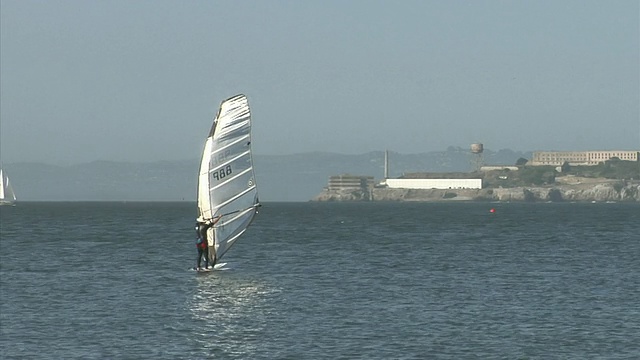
{"x":7,"y":196}
{"x":226,"y":181}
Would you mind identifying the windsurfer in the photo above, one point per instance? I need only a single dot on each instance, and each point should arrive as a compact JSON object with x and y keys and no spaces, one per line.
{"x":202,"y":242}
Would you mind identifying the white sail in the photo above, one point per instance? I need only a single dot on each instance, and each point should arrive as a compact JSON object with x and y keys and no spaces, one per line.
{"x":226,"y":182}
{"x":7,"y":196}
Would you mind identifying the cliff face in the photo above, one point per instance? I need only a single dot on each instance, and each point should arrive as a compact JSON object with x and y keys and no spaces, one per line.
{"x":604,"y":191}
{"x":597,"y":192}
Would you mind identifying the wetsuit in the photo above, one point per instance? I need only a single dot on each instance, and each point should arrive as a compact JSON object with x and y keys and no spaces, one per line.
{"x":202,"y":244}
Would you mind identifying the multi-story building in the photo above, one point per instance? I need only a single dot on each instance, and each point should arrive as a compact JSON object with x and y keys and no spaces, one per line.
{"x":347,"y":181}
{"x":557,"y":158}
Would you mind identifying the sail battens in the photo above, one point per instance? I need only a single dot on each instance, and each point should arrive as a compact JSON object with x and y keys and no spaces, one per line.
{"x":241,"y":214}
{"x":230,"y":242}
{"x":249,"y":189}
{"x":219,"y":166}
{"x":221,"y":149}
{"x":231,"y":127}
{"x":230,"y":179}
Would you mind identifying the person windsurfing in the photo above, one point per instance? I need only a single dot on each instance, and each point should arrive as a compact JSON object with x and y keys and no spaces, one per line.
{"x":202,"y":227}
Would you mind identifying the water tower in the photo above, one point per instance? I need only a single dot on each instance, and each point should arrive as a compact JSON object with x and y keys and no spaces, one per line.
{"x":477,"y":156}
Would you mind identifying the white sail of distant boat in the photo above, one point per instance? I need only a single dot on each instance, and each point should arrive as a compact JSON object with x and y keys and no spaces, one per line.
{"x":226,"y":181}
{"x":7,"y":196}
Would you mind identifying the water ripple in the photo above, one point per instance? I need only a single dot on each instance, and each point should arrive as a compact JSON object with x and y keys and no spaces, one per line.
{"x":323,"y":281}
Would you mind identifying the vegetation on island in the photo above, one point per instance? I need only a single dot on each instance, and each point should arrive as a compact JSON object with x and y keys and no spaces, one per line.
{"x":614,"y":169}
{"x":610,"y":169}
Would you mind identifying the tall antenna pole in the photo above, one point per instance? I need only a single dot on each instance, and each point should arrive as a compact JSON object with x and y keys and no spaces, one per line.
{"x":386,"y":164}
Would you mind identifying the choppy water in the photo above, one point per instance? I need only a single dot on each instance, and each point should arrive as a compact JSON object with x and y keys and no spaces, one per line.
{"x":323,"y":281}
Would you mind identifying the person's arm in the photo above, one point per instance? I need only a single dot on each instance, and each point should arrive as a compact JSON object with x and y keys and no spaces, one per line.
{"x":213,"y":221}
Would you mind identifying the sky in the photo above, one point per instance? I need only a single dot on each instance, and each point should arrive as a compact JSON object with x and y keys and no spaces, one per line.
{"x":142,"y":80}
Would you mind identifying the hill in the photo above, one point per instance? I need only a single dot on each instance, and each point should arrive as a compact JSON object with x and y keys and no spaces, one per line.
{"x":296,"y":177}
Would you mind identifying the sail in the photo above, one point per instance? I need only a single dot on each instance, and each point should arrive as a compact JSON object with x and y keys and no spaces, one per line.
{"x":7,"y":196}
{"x":226,"y":181}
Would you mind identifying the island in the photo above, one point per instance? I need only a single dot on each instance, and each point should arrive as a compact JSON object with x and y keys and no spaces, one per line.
{"x":612,"y":180}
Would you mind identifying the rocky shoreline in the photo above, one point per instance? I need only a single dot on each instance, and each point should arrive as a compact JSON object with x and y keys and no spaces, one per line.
{"x":598,"y":191}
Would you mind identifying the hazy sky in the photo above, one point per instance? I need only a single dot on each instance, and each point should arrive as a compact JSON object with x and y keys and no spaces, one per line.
{"x":142,"y":80}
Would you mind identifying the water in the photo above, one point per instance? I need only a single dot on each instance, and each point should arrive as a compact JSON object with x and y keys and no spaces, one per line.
{"x":323,"y":281}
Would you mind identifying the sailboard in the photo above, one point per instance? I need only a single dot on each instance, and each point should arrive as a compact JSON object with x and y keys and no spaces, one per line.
{"x":217,"y":267}
{"x":7,"y":195}
{"x":226,"y":180}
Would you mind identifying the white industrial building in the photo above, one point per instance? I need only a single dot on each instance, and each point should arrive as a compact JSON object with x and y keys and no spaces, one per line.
{"x":424,"y":183}
{"x":434,"y":183}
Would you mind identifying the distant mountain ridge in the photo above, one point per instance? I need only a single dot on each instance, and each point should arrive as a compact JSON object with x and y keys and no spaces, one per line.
{"x":296,"y":177}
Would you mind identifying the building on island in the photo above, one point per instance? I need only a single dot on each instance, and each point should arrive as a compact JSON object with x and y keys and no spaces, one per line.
{"x":351,"y":187}
{"x":427,"y":181}
{"x":576,"y":158}
{"x":434,"y":183}
{"x":348,"y":181}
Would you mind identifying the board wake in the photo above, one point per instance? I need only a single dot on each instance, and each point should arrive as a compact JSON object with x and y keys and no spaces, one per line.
{"x":216,"y":267}
{"x":220,"y":266}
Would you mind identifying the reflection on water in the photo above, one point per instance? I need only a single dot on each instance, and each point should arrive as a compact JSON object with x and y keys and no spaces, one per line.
{"x":231,"y":314}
